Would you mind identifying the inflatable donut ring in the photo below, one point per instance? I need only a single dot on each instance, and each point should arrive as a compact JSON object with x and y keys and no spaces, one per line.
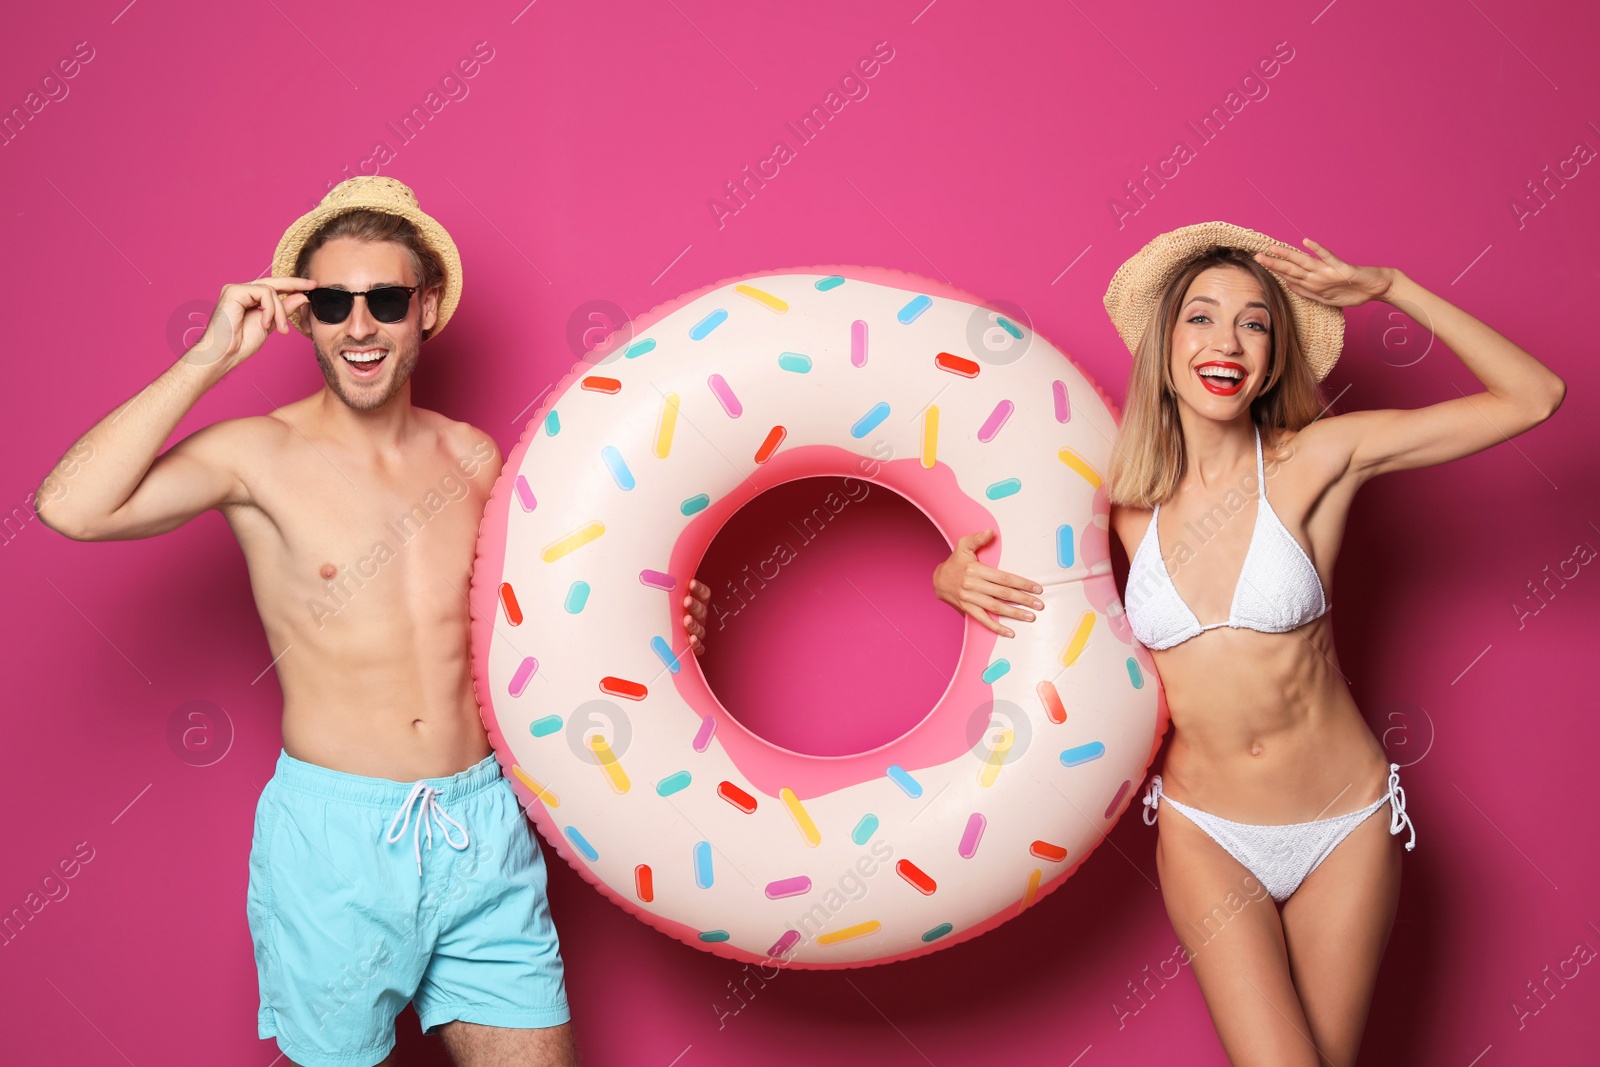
{"x":600,"y":716}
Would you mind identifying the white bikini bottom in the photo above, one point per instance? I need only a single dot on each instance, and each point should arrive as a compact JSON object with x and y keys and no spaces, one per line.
{"x":1281,"y":856}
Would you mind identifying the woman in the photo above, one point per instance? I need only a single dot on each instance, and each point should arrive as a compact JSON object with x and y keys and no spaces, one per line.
{"x":1271,"y":766}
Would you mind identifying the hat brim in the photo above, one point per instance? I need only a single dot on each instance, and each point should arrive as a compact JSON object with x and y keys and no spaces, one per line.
{"x":1136,"y":289}
{"x":433,"y":235}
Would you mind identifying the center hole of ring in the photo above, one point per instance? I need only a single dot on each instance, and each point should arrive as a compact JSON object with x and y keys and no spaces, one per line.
{"x":824,"y":636}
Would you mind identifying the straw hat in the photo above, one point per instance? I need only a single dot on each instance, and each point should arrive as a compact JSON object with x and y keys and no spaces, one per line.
{"x":1135,"y":289}
{"x":390,"y":196}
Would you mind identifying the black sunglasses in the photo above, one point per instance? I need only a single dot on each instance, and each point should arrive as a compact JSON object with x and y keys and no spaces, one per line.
{"x":388,"y":303}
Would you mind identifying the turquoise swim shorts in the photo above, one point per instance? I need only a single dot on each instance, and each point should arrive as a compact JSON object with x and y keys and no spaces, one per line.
{"x":368,"y":893}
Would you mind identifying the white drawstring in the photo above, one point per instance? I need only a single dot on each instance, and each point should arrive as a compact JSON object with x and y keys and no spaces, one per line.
{"x":1398,"y":818}
{"x":430,"y":807}
{"x":1151,"y":800}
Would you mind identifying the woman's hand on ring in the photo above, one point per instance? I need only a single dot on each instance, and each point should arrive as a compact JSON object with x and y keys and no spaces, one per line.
{"x":976,"y":589}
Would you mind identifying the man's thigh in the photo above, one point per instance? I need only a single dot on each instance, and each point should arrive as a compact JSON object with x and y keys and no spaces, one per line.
{"x":471,"y":1045}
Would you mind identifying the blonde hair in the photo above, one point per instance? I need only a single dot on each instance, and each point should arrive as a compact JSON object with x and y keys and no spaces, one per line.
{"x":1149,"y":460}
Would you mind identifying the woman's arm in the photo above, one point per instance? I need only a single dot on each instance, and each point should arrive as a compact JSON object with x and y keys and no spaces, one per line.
{"x":1519,"y":391}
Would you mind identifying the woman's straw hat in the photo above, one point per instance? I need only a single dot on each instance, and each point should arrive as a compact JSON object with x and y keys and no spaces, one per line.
{"x":1135,"y":289}
{"x":375,"y":193}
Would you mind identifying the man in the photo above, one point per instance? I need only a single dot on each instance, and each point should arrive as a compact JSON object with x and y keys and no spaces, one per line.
{"x":358,"y":516}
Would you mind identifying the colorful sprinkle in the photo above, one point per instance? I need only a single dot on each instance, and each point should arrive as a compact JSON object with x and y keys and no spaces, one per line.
{"x":621,"y":687}
{"x":577,"y":597}
{"x":1080,"y":466}
{"x":1008,"y":326}
{"x":545,"y":725}
{"x":616,"y":777}
{"x":788,"y":887}
{"x":552,"y":424}
{"x":917,"y":877}
{"x":707,"y":324}
{"x":549,"y":799}
{"x":594,"y":383}
{"x":695,"y":504}
{"x":1058,"y":390}
{"x":995,"y":671}
{"x":858,"y":343}
{"x":664,"y":653}
{"x":770,"y":445}
{"x":1122,"y":791}
{"x":1033,"y":887}
{"x":766,"y":300}
{"x":522,"y":675}
{"x":972,"y":835}
{"x":508,"y":600}
{"x":657,"y":579}
{"x":1053,"y":707}
{"x":802,"y":818}
{"x":1046,"y":851}
{"x":832,"y":281}
{"x":956,"y":365}
{"x":937,"y":932}
{"x":582,"y":844}
{"x":865,"y":424}
{"x":849,"y":933}
{"x":1078,"y":754}
{"x":897,"y":774}
{"x":724,"y":394}
{"x":916,"y":307}
{"x":1135,"y":675}
{"x":864,"y":829}
{"x":997,"y":418}
{"x":675,"y":782}
{"x":794,"y":361}
{"x":1064,"y":553}
{"x":990,"y":771}
{"x":1079,"y":639}
{"x":618,"y":467}
{"x":930,"y":437}
{"x":1001,"y":489}
{"x":788,"y":941}
{"x":703,"y":876}
{"x":702,"y":736}
{"x":571,"y":541}
{"x":644,"y":883}
{"x":666,"y":422}
{"x":639,"y":348}
{"x":524,"y":493}
{"x":737,"y":797}
{"x":714,"y":935}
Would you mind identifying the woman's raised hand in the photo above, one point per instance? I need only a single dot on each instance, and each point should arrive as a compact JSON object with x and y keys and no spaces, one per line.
{"x":976,"y":589}
{"x":1329,"y":279}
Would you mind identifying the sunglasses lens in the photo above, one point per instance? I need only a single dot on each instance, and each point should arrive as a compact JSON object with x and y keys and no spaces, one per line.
{"x":388,"y":304}
{"x":331,"y":306}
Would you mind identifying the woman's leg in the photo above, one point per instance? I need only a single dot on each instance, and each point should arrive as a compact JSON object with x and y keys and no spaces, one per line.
{"x":1336,"y":926}
{"x":1237,"y":949}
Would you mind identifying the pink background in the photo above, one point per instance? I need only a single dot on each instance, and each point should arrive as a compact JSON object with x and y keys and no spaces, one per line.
{"x":578,"y":168}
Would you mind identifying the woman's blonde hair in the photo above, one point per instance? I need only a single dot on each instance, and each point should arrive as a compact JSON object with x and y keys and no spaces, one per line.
{"x":1148,"y":460}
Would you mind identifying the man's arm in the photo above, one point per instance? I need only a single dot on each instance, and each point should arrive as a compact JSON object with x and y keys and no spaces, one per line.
{"x":111,"y":484}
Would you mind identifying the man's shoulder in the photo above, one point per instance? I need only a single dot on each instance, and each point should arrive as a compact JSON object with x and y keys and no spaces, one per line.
{"x":475,"y":449}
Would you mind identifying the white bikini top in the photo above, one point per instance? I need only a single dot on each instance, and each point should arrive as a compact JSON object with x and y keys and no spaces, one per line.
{"x":1278,"y":588}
